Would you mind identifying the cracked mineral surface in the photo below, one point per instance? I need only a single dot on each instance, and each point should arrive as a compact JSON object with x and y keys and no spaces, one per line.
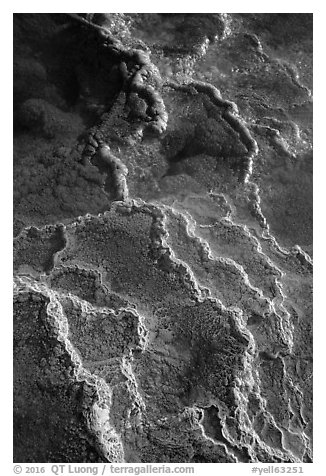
{"x":163,"y":238}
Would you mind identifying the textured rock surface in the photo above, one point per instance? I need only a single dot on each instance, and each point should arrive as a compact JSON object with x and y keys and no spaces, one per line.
{"x":163,"y":238}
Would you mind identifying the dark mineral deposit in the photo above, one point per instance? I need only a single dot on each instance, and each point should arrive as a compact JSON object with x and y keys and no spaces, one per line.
{"x":162,"y":237}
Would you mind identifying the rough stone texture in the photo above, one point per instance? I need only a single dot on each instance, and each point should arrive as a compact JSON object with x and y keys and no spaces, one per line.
{"x":49,"y":404}
{"x":163,"y":238}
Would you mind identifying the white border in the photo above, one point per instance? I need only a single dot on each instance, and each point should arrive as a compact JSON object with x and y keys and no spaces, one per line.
{"x":319,"y":201}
